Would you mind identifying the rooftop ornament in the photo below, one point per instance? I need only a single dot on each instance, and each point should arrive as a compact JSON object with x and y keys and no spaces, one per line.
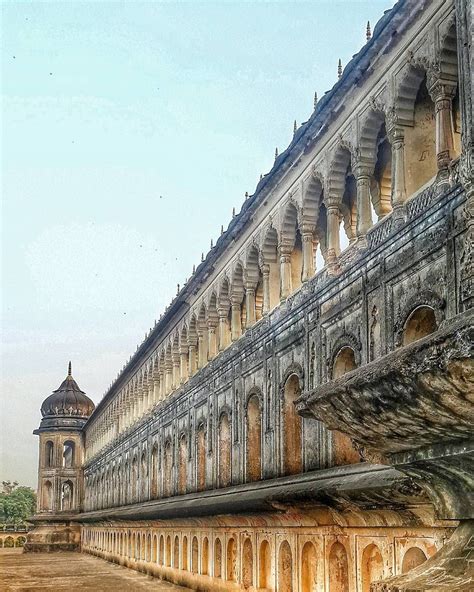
{"x":295,"y":128}
{"x":368,"y":32}
{"x":315,"y":100}
{"x":339,"y":68}
{"x":276,"y":153}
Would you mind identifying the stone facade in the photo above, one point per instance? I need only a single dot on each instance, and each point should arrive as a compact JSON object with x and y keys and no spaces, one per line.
{"x":285,"y":427}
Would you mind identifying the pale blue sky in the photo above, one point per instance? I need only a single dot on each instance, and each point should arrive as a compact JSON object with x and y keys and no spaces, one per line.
{"x":130,"y":130}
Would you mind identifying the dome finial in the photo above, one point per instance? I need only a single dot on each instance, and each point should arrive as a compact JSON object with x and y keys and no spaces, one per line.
{"x":368,"y":32}
{"x":69,"y":369}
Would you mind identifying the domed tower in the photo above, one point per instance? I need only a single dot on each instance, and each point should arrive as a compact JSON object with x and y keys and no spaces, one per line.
{"x":60,"y":478}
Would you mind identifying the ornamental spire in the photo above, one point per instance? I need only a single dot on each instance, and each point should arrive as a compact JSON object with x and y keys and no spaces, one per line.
{"x":368,"y":32}
{"x":339,"y":68}
{"x":69,"y":369}
{"x":315,"y":100}
{"x":295,"y":127}
{"x":276,"y":153}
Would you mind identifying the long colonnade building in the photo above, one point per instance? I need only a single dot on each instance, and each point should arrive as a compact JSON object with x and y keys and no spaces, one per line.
{"x":300,"y":418}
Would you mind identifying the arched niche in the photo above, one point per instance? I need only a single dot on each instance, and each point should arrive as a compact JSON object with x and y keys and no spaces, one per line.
{"x":162,"y":550}
{"x":168,"y":469}
{"x":412,"y":558}
{"x":201,"y":457}
{"x":205,"y":557}
{"x":47,"y":497}
{"x":344,"y":361}
{"x":231,"y":560}
{"x":254,"y":439}
{"x":371,"y":566}
{"x":168,"y":551}
{"x":285,"y":568}
{"x":224,"y":451}
{"x":183,"y":464}
{"x":217,"y":558}
{"x":420,"y":323}
{"x":292,"y":428}
{"x":176,"y":552}
{"x":247,"y":564}
{"x":184,"y":554}
{"x":308,"y":568}
{"x":67,"y":496}
{"x":338,"y":569}
{"x":264,"y":565}
{"x":154,"y":472}
{"x":195,"y":556}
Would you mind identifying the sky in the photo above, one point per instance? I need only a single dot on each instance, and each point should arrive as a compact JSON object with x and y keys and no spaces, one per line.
{"x":129,"y":132}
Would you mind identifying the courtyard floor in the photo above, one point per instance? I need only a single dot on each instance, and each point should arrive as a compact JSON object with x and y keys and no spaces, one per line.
{"x":71,"y":571}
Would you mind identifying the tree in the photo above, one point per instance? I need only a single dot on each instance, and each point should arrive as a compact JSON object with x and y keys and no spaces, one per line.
{"x":17,"y":503}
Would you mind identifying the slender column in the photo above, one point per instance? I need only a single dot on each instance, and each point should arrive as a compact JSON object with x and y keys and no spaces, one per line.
{"x":266,"y":288}
{"x":396,"y":135}
{"x":364,"y":214}
{"x":212,"y":340}
{"x":184,"y":363}
{"x":168,"y":376}
{"x":285,"y":271}
{"x":223,"y":328}
{"x":192,"y":359}
{"x":161,"y":374}
{"x":308,"y":252}
{"x":442,"y":92}
{"x":250,"y":305}
{"x":333,"y":241}
{"x":176,"y":369}
{"x":202,"y":347}
{"x":236,"y":320}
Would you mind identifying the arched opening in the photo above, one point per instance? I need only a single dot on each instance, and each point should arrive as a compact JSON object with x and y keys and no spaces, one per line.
{"x":154,"y":472}
{"x":176,"y":552}
{"x":9,"y":542}
{"x":247,"y":564}
{"x":183,"y":465}
{"x":134,"y":481}
{"x":271,"y":271}
{"x":231,"y":560}
{"x":154,"y":552}
{"x":264,"y":566}
{"x":321,"y":237}
{"x":49,"y":454}
{"x":194,"y":556}
{"x":67,"y":496}
{"x":217,"y":558}
{"x":381,"y":185}
{"x":205,"y":557}
{"x":292,"y":427}
{"x":137,"y":547}
{"x":68,"y":454}
{"x":201,"y":457}
{"x":349,"y":208}
{"x":308,"y":568}
{"x":420,"y":138}
{"x":224,"y":452}
{"x":420,"y":323}
{"x":184,"y":556}
{"x":343,"y":362}
{"x":20,"y":541}
{"x":291,"y":251}
{"x":338,"y":569}
{"x":47,"y":501}
{"x":372,"y":566}
{"x":254,"y":439}
{"x":285,"y":568}
{"x":413,"y":558}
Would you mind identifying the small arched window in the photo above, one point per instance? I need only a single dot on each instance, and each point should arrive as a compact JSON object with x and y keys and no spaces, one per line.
{"x":68,"y":454}
{"x":420,"y":323}
{"x":49,"y":453}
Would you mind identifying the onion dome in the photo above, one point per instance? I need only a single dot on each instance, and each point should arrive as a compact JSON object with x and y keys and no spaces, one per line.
{"x":68,"y":406}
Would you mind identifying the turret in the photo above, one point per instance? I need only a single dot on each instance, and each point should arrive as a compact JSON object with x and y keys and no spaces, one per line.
{"x":60,"y":478}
